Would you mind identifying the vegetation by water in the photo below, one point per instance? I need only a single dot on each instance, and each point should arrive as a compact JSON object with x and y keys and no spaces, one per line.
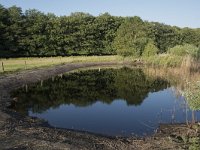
{"x":164,"y":61}
{"x":185,"y":81}
{"x":192,"y":94}
{"x":33,"y":33}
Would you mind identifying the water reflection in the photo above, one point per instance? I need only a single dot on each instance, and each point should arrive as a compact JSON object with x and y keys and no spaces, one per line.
{"x":110,"y":101}
{"x":87,"y":87}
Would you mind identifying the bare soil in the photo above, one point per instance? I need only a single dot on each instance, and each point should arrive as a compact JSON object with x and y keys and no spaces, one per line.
{"x":24,"y":132}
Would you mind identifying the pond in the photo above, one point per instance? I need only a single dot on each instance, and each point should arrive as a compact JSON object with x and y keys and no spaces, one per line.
{"x":112,"y":102}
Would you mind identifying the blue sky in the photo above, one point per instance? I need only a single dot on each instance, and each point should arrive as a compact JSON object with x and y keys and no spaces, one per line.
{"x":182,"y":13}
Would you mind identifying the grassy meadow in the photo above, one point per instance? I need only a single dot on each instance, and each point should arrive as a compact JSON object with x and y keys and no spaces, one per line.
{"x":18,"y":64}
{"x":167,"y":61}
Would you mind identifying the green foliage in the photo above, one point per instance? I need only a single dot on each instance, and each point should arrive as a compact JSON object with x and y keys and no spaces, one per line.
{"x":178,"y":50}
{"x":131,"y":37}
{"x":193,"y":51}
{"x":3,"y":29}
{"x":150,"y":49}
{"x":164,"y":36}
{"x":191,"y":36}
{"x":186,"y":49}
{"x":33,"y":33}
{"x":164,"y":61}
{"x":192,"y":94}
{"x":194,"y":143}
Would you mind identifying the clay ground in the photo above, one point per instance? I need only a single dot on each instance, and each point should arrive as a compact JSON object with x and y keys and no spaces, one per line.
{"x":23,"y":132}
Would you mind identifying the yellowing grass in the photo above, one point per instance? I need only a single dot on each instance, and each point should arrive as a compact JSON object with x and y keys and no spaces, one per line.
{"x":15,"y":64}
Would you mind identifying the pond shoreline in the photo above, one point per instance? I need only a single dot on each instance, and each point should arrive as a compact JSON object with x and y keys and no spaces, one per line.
{"x":23,"y":132}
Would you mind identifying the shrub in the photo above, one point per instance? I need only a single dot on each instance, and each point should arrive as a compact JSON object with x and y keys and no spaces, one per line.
{"x":150,"y":50}
{"x":186,"y":49}
{"x":194,"y":52}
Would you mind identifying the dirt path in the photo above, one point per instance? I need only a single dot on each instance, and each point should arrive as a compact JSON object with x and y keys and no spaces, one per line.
{"x":23,"y":132}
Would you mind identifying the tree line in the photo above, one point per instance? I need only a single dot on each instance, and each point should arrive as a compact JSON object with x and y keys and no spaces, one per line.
{"x":33,"y":33}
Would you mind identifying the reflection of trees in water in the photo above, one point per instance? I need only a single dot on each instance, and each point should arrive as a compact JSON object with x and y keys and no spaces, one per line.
{"x":185,"y":81}
{"x":87,"y":87}
{"x":133,"y":85}
{"x":186,"y":84}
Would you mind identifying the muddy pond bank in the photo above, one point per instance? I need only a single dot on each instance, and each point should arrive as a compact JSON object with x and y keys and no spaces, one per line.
{"x":23,"y":132}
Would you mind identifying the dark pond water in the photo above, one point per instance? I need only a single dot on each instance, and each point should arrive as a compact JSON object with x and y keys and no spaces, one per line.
{"x":114,"y":102}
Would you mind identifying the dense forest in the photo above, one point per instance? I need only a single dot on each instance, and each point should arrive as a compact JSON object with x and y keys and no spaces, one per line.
{"x":33,"y":33}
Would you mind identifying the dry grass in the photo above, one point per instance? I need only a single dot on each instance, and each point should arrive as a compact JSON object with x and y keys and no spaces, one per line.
{"x":186,"y":81}
{"x":16,"y":64}
{"x":186,"y":63}
{"x":190,"y":63}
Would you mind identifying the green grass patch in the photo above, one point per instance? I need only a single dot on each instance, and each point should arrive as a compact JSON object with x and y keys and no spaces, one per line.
{"x":17,"y":64}
{"x":163,"y":60}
